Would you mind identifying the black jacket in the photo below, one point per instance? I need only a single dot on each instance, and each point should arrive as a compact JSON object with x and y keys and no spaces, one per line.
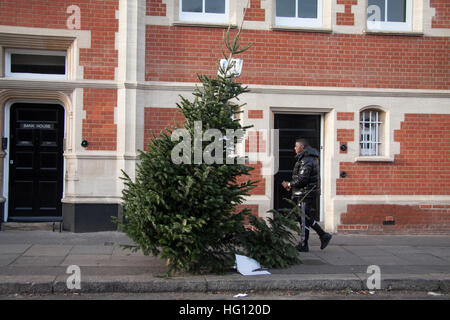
{"x":305,"y":175}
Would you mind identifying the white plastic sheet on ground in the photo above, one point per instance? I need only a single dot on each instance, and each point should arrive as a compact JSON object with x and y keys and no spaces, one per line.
{"x":247,"y":266}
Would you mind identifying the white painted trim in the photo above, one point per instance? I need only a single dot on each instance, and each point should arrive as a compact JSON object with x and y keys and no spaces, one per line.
{"x":302,"y":111}
{"x":205,"y":17}
{"x":37,"y":76}
{"x":301,"y":22}
{"x":190,"y":86}
{"x":93,"y":199}
{"x":322,"y":166}
{"x":374,"y":159}
{"x":412,"y":199}
{"x":302,"y":90}
{"x":6,"y":133}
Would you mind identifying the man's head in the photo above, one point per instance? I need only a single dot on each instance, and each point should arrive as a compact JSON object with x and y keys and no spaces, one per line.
{"x":300,"y":145}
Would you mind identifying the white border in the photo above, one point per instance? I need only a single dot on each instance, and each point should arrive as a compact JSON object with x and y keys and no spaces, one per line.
{"x":300,"y":22}
{"x":6,"y":134}
{"x":40,"y":76}
{"x":205,"y":17}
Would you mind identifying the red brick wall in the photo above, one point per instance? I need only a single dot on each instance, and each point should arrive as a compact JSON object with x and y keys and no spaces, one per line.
{"x":345,"y":116}
{"x":97,"y":16}
{"x":256,"y":175}
{"x":99,"y":61}
{"x":255,"y":13}
{"x":98,"y":127}
{"x":253,"y":211}
{"x":421,"y":168}
{"x":255,"y":114}
{"x":255,"y":142}
{"x":155,"y":8}
{"x":158,"y":119}
{"x":344,"y":136}
{"x":442,"y":16}
{"x":304,"y":59}
{"x":347,"y":17}
{"x":369,"y":218}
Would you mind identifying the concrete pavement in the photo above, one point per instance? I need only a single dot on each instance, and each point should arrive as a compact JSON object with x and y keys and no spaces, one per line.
{"x":37,"y":261}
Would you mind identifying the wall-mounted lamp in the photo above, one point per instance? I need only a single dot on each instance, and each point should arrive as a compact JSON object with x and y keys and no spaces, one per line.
{"x":343,"y":174}
{"x":343,"y":147}
{"x":84,"y":143}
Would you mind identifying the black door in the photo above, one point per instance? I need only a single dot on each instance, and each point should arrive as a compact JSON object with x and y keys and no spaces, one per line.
{"x":35,"y":161}
{"x":291,"y":127}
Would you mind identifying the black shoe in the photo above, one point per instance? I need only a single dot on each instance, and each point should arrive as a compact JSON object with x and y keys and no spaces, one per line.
{"x":303,"y":247}
{"x":324,"y":240}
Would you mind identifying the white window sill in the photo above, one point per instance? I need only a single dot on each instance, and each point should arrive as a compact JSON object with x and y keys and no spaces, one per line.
{"x":300,"y":29}
{"x":393,"y":32}
{"x":35,"y":76}
{"x":203,"y":24}
{"x":373,"y":159}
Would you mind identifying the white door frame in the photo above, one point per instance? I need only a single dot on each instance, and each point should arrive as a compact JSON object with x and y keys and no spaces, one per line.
{"x":322,"y":141}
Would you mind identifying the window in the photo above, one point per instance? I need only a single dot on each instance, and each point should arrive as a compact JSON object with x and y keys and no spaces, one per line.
{"x":370,"y":129}
{"x":214,"y":11}
{"x":35,"y":64}
{"x":389,"y":15}
{"x":299,"y":13}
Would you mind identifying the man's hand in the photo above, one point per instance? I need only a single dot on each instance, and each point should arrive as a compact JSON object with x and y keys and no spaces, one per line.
{"x":286,"y":185}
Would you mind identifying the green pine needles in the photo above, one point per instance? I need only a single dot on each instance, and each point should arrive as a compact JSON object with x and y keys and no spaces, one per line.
{"x":185,"y":211}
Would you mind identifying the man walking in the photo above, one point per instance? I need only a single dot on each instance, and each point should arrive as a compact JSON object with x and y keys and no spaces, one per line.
{"x":304,"y":186}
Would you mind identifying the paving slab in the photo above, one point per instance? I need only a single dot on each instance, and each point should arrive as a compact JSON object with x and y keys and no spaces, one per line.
{"x":344,"y":259}
{"x":401,"y":249}
{"x":27,"y":270}
{"x":86,"y":260}
{"x":421,"y":259}
{"x":437,"y":251}
{"x":368,"y":251}
{"x":385,"y":260}
{"x":137,"y":261}
{"x":35,"y":261}
{"x":39,"y":250}
{"x":6,"y":259}
{"x":119,"y":251}
{"x":13,"y":248}
{"x":92,"y":249}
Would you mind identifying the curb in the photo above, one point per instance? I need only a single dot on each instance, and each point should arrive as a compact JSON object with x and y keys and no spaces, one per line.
{"x":140,"y":284}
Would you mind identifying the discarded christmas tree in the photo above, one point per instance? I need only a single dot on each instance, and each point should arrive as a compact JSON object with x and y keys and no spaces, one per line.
{"x":181,"y":205}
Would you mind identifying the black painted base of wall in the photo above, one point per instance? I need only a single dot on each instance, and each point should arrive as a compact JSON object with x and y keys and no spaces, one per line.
{"x":90,"y":217}
{"x":2,"y":214}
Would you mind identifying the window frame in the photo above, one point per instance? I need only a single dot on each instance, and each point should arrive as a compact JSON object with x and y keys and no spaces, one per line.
{"x":39,"y":76}
{"x":203,"y":16}
{"x":390,"y":25}
{"x":375,"y":143}
{"x":301,"y":22}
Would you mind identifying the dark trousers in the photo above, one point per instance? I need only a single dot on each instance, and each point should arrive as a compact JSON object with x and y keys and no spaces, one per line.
{"x":309,"y":204}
